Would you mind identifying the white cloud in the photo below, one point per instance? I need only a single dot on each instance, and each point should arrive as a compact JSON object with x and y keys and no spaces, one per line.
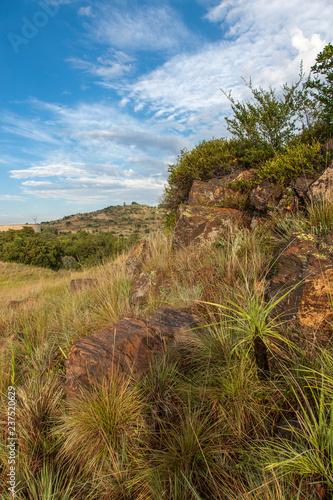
{"x":9,"y":197}
{"x":113,"y":65}
{"x":142,"y":27}
{"x":85,"y":11}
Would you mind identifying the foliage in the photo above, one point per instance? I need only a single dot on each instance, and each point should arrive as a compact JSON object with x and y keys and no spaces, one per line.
{"x":206,"y":160}
{"x":269,"y":120}
{"x":321,"y":85}
{"x":297,"y":159}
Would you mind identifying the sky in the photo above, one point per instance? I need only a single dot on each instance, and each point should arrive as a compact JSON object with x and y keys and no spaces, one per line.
{"x":98,"y":97}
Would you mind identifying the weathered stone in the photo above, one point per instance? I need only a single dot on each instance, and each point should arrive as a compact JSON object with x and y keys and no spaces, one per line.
{"x":196,"y":224}
{"x":210,"y":192}
{"x":265,"y":195}
{"x":137,"y":258}
{"x":172,"y":324}
{"x":127,"y":346}
{"x":81,"y":283}
{"x":306,"y":257}
{"x":13,"y":304}
{"x":302,"y":184}
{"x":316,"y":306}
{"x":322,"y":188}
{"x":146,"y":286}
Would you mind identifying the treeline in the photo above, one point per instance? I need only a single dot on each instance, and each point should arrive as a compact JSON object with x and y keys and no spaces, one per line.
{"x":70,"y":251}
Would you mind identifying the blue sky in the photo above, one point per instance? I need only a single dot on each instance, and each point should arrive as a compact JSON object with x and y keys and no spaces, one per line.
{"x":98,"y":97}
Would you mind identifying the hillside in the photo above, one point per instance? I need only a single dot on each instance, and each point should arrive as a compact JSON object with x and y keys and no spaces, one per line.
{"x":120,"y":220}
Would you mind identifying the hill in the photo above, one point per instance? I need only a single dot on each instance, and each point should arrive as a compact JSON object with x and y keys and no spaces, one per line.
{"x":120,"y":220}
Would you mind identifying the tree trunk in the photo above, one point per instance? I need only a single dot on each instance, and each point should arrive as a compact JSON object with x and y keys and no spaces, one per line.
{"x":261,"y":356}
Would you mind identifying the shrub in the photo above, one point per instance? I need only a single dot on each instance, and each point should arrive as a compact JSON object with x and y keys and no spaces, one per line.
{"x":296,"y":160}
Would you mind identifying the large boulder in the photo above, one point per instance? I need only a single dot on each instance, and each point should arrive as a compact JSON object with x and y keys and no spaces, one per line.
{"x":127,"y":346}
{"x":322,"y":188}
{"x":137,"y":258}
{"x":302,"y":268}
{"x":199,"y":224}
{"x":316,"y":307}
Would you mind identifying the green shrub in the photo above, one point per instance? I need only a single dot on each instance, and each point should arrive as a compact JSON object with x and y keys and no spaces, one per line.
{"x":296,"y":160}
{"x":206,"y":160}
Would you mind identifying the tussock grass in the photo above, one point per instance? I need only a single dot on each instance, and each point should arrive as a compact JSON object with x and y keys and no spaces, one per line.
{"x":201,"y":423}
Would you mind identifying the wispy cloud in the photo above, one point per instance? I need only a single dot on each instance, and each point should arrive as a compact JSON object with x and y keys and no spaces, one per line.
{"x":114,"y":64}
{"x":141,"y":27}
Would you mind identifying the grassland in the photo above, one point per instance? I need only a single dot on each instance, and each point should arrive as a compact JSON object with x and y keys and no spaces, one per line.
{"x":202,"y":424}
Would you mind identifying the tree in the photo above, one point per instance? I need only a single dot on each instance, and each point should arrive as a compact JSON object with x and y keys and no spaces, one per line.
{"x":270,"y":119}
{"x":321,"y":85}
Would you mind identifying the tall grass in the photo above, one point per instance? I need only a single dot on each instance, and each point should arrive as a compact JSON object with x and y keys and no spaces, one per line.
{"x":200,"y":424}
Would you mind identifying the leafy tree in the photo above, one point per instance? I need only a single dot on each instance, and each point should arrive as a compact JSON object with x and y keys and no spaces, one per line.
{"x":270,"y":119}
{"x":321,"y":85}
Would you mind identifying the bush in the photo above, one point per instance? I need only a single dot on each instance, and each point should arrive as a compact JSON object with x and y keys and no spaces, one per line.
{"x":206,"y":160}
{"x":296,"y":160}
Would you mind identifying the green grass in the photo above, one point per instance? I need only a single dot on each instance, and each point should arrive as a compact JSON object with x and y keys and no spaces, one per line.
{"x":200,"y":424}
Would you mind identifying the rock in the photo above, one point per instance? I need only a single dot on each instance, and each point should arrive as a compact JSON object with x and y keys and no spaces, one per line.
{"x":326,"y":148}
{"x":302,"y":184}
{"x":7,"y":343}
{"x":306,"y":257}
{"x":137,"y":258}
{"x":172,"y":324}
{"x":322,"y":188}
{"x":146,"y":286}
{"x":81,"y":283}
{"x":316,"y":307}
{"x":197,"y":224}
{"x":13,"y":304}
{"x":265,"y":196}
{"x":210,"y":192}
{"x":127,"y":346}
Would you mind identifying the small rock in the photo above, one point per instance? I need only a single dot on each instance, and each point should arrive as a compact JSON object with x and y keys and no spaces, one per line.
{"x":81,"y":283}
{"x":146,"y":285}
{"x":137,"y":258}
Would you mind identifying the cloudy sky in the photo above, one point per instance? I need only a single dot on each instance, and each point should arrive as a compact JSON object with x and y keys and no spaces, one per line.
{"x":98,"y":97}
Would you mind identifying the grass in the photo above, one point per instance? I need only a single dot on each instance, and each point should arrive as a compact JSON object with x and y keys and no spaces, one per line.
{"x":202,"y":423}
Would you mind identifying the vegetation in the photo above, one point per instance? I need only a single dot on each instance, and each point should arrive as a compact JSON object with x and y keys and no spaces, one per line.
{"x":277,"y":132}
{"x":210,"y":420}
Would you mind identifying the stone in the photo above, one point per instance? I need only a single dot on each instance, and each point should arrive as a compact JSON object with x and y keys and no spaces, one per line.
{"x":302,"y":184}
{"x":265,"y":196}
{"x":200,"y":224}
{"x":316,"y":307}
{"x":322,"y":188}
{"x":127,"y":346}
{"x":137,"y":258}
{"x":81,"y":283}
{"x":172,"y":324}
{"x":146,"y":286}
{"x":13,"y":304}
{"x":305,"y":257}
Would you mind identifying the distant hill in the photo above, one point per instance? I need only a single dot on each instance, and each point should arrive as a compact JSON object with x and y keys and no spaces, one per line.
{"x":119,"y":220}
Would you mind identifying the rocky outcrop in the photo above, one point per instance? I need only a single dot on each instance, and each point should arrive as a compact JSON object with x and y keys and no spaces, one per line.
{"x":127,"y":346}
{"x":316,"y":306}
{"x":199,"y":224}
{"x":81,"y":283}
{"x":305,"y":269}
{"x":146,"y":286}
{"x":322,"y":188}
{"x":137,"y":257}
